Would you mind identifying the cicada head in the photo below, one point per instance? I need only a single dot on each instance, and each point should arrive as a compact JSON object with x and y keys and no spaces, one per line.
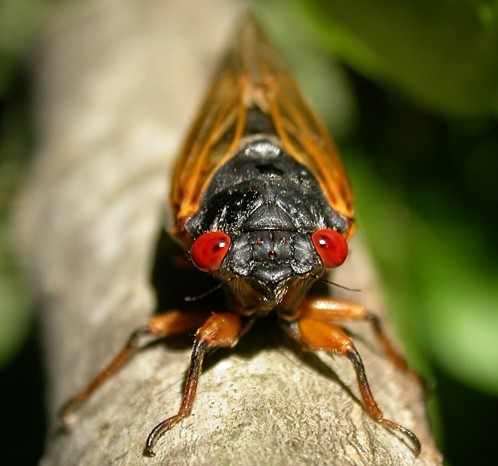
{"x":265,"y":228}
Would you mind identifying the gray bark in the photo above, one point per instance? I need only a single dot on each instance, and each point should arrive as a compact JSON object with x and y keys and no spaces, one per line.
{"x":118,"y":82}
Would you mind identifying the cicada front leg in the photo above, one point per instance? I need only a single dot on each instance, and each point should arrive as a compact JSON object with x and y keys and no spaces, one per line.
{"x":220,"y":330}
{"x":161,"y":326}
{"x":315,"y":330}
{"x":213,"y":330}
{"x":326,"y":309}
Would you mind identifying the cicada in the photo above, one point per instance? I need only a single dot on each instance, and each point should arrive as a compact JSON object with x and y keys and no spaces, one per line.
{"x":261,"y":201}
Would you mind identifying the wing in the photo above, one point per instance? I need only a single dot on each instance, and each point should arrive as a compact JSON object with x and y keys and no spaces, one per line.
{"x":253,"y":76}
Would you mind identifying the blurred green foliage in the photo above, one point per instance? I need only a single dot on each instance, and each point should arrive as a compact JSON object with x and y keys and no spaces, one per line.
{"x":19,"y":20}
{"x":441,"y":53}
{"x":18,"y":23}
{"x":15,"y":302}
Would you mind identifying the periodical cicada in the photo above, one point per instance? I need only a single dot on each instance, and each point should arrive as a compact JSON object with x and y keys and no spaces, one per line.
{"x":261,"y":201}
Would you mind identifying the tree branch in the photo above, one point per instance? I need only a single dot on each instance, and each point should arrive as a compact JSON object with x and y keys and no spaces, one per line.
{"x":118,"y":83}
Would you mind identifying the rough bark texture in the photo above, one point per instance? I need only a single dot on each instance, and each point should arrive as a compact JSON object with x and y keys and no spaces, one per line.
{"x":118,"y":82}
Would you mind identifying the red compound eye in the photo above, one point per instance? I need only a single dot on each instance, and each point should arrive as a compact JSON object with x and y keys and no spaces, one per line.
{"x":331,"y":246}
{"x":209,"y":250}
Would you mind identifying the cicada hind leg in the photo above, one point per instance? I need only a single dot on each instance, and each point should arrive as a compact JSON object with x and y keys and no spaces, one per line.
{"x":315,"y":330}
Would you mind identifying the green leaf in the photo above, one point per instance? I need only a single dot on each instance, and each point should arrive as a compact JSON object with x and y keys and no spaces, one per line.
{"x":443,"y":54}
{"x":438,"y":276}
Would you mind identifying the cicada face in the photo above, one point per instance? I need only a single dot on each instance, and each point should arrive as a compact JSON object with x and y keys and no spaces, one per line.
{"x":260,"y":195}
{"x":257,"y":226}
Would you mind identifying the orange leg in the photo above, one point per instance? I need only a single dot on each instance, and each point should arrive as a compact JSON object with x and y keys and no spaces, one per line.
{"x":326,"y":310}
{"x":318,"y":334}
{"x":220,"y":330}
{"x":162,"y":326}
